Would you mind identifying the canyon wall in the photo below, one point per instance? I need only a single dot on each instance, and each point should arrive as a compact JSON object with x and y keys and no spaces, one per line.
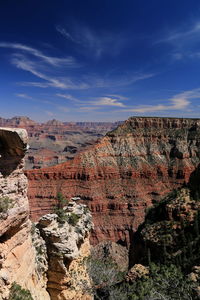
{"x":55,"y":142}
{"x":17,"y":254}
{"x":120,"y":176}
{"x":67,"y":244}
{"x":38,"y":258}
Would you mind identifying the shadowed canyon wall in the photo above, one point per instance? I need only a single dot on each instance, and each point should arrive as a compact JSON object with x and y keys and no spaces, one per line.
{"x":120,"y":176}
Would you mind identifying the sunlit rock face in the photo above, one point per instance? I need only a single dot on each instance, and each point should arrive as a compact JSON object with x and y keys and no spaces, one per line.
{"x":17,"y":254}
{"x":121,"y":175}
{"x":67,"y":244}
{"x":55,"y":142}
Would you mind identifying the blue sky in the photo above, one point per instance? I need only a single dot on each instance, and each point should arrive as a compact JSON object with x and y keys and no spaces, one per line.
{"x":99,"y":60}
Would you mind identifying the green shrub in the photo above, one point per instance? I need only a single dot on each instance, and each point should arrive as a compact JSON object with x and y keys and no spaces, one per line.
{"x":86,"y":210}
{"x":72,"y":219}
{"x":58,"y":209}
{"x":62,"y":201}
{"x":18,"y":293}
{"x":5,"y":204}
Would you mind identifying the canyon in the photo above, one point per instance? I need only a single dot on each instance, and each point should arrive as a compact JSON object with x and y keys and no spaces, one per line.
{"x":139,"y":179}
{"x":120,"y":176}
{"x":37,"y":259}
{"x":55,"y":142}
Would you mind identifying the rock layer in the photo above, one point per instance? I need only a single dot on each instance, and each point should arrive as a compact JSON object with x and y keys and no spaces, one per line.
{"x":55,"y":142}
{"x":17,"y":254}
{"x":67,"y":244}
{"x":122,"y":174}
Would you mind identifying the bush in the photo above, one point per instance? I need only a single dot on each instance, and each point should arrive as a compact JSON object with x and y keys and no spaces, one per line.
{"x":163,"y":283}
{"x":58,"y":209}
{"x":18,"y":293}
{"x":86,"y":210}
{"x":104,"y":274}
{"x":5,"y":204}
{"x":62,"y":201}
{"x":72,"y":219}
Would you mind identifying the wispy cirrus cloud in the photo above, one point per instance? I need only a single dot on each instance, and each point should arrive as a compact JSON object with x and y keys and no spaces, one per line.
{"x":22,"y":95}
{"x":55,"y":106}
{"x":64,"y":33}
{"x":183,"y":40}
{"x":68,"y":97}
{"x":54,"y":61}
{"x":182,"y":35}
{"x":106,"y":101}
{"x":92,"y":43}
{"x":96,"y":103}
{"x":53,"y":72}
{"x":179,"y":102}
{"x":99,"y":101}
{"x":24,"y":63}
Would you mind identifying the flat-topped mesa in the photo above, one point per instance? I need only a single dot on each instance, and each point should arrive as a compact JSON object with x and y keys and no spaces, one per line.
{"x":121,"y":175}
{"x":152,"y":123}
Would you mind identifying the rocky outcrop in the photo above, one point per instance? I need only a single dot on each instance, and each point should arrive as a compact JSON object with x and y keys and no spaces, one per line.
{"x":170,"y":233}
{"x":123,"y":174}
{"x":43,"y":257}
{"x":67,"y":244}
{"x":138,"y":271}
{"x":55,"y":142}
{"x":17,"y":254}
{"x":112,"y":252}
{"x":195,"y":277}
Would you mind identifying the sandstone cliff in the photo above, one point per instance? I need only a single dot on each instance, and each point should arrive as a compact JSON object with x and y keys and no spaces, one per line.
{"x":120,"y":176}
{"x":39,"y":258}
{"x":54,"y":142}
{"x":67,"y":244}
{"x":17,"y":254}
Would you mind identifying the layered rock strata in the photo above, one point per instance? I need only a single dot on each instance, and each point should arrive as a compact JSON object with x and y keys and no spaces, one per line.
{"x":17,"y":254}
{"x":67,"y":243}
{"x":55,"y":142}
{"x":123,"y":174}
{"x":40,"y":258}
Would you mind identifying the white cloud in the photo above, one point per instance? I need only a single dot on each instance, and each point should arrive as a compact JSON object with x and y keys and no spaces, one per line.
{"x":68,"y":97}
{"x":97,"y":102}
{"x":181,"y":35}
{"x":106,"y":101}
{"x":55,"y":61}
{"x":21,"y":62}
{"x":44,"y":67}
{"x":88,"y":108}
{"x":94,"y":44}
{"x":178,"y":102}
{"x":64,"y":33}
{"x":25,"y":96}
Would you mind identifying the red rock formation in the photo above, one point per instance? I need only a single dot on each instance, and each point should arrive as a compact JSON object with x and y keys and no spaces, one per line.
{"x":55,"y":142}
{"x":120,"y":176}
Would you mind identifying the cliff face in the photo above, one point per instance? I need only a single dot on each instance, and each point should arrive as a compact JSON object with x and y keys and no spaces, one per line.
{"x":67,"y":243}
{"x":17,"y":254}
{"x":38,"y":258}
{"x":55,"y":142}
{"x":120,"y":176}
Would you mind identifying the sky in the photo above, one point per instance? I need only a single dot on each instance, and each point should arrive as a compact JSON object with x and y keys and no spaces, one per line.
{"x":99,"y":60}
